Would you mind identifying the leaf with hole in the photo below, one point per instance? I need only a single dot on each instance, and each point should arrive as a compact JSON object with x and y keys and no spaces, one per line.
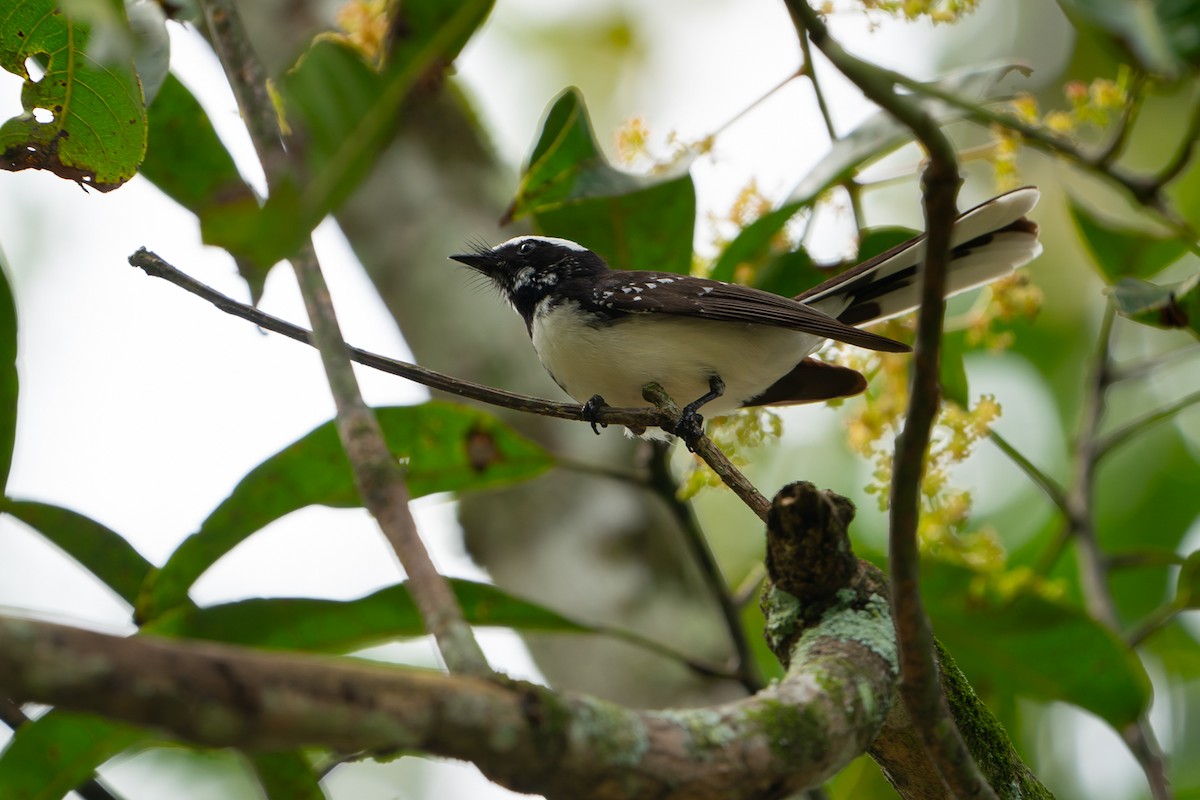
{"x":83,"y":120}
{"x":569,"y":189}
{"x":445,"y":448}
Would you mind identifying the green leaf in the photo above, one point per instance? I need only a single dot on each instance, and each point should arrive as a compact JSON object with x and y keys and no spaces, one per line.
{"x":1162,"y":36}
{"x":874,"y":241}
{"x":753,"y":244}
{"x":874,"y":138}
{"x":9,"y":381}
{"x":1174,"y":306}
{"x":881,"y":133}
{"x":1187,"y":589}
{"x":347,"y":111}
{"x":97,"y":131}
{"x":1034,"y":647}
{"x":1123,"y":252}
{"x":337,"y":626}
{"x":53,"y":754}
{"x":953,"y":370}
{"x":98,"y":549}
{"x":788,"y":274}
{"x":446,"y":447}
{"x":570,"y":189}
{"x":286,"y":776}
{"x":188,"y":162}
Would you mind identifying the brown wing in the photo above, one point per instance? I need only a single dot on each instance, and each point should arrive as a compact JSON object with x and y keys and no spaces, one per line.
{"x":666,"y":293}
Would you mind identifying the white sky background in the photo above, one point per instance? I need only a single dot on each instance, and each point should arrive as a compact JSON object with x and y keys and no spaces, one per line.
{"x":141,"y":406}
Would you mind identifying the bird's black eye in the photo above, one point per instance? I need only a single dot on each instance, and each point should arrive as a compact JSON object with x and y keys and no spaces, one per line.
{"x":526,"y":247}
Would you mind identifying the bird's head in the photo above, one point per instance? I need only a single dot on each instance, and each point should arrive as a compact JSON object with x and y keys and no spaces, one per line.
{"x":529,"y":269}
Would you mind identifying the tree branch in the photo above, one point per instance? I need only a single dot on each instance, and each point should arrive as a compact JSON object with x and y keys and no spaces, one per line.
{"x":730,"y":475}
{"x":377,"y":475}
{"x":835,"y":637}
{"x":920,"y":687}
{"x":662,"y":483}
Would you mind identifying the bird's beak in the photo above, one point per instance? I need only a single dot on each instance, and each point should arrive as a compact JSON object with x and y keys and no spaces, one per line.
{"x":484,"y":262}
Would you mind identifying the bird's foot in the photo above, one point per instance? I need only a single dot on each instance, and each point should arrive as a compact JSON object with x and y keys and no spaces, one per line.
{"x":591,"y":413}
{"x":690,"y":426}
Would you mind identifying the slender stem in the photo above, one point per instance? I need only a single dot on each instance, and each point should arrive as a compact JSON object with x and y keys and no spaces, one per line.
{"x":377,"y":475}
{"x":749,"y":588}
{"x":1140,"y":368}
{"x":1129,"y":430}
{"x":809,"y":69}
{"x":920,"y":684}
{"x":1124,"y":125}
{"x":1159,"y":618}
{"x":666,"y":487}
{"x":1093,"y":567}
{"x":1048,"y":485}
{"x":1183,"y":155}
{"x":154,"y":266}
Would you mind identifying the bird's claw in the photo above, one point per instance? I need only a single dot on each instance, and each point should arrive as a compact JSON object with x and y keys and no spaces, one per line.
{"x":591,"y":413}
{"x":690,"y":428}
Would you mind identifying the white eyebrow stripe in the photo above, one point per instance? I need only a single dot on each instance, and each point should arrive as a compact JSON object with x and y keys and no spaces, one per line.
{"x":567,"y":243}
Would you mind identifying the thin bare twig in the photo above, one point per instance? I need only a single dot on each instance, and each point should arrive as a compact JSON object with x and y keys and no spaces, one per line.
{"x":377,"y":476}
{"x":666,"y":487}
{"x":1048,"y":485}
{"x":155,"y":266}
{"x":1093,"y":566}
{"x":920,"y":685}
{"x":1131,"y":429}
{"x":730,"y":475}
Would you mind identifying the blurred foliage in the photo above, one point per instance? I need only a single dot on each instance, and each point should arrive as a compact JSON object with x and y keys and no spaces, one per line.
{"x":1110,"y":141}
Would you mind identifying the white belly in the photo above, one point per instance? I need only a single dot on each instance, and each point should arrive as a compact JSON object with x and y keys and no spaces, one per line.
{"x":680,"y":353}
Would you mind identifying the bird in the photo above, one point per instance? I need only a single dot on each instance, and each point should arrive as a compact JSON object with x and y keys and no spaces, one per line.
{"x":603,"y":334}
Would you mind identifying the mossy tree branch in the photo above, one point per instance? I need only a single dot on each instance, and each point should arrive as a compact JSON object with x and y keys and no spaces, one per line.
{"x":835,"y":636}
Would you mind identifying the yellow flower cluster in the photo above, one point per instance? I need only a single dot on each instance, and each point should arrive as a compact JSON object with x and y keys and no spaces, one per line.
{"x":636,"y":150}
{"x":872,"y":429}
{"x":1011,"y":298}
{"x":1091,"y":105}
{"x":936,"y":10}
